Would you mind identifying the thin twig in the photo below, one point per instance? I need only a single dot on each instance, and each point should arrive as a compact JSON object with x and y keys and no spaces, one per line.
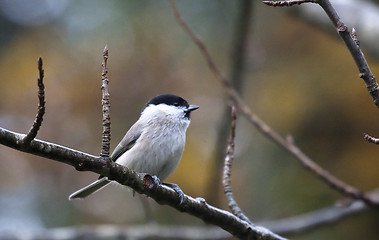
{"x":287,"y":3}
{"x":41,"y":106}
{"x":370,"y":138}
{"x":105,"y":102}
{"x":226,"y":181}
{"x":289,"y":146}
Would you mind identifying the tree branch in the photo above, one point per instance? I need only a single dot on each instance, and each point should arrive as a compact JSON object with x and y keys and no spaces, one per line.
{"x":286,"y":144}
{"x":164,"y":195}
{"x":362,"y":14}
{"x":351,"y":43}
{"x":363,"y":68}
{"x":226,"y":182}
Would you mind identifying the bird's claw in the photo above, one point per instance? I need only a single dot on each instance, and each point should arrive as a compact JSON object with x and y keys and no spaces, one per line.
{"x":177,"y":189}
{"x":151,"y":181}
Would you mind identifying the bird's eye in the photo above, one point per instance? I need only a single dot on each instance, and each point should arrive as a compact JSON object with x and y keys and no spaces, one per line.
{"x":176,"y":104}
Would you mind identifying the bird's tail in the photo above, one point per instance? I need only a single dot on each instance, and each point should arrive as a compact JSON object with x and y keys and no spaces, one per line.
{"x":88,"y":190}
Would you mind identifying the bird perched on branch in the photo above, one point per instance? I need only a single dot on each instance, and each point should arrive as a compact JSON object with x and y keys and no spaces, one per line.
{"x":154,"y":144}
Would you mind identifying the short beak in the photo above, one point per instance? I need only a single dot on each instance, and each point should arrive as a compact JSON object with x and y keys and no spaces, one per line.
{"x":192,"y":108}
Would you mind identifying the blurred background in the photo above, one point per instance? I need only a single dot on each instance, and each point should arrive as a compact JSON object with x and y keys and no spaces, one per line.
{"x":298,"y":77}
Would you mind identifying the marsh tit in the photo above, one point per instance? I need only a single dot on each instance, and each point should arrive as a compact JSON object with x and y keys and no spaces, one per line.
{"x":154,"y":144}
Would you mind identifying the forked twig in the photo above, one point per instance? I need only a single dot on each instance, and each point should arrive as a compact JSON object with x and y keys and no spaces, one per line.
{"x":226,"y":182}
{"x":41,"y":106}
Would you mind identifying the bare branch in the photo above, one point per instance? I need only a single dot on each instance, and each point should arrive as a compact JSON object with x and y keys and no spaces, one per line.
{"x":41,"y":106}
{"x":226,"y":182}
{"x":330,"y":179}
{"x":352,"y":44}
{"x":105,"y":102}
{"x":289,"y":146}
{"x":81,"y":161}
{"x":363,"y":15}
{"x":287,"y":3}
{"x":320,"y":217}
{"x":364,"y":70}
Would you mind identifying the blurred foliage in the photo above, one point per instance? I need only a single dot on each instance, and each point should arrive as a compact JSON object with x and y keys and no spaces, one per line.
{"x":299,"y":80}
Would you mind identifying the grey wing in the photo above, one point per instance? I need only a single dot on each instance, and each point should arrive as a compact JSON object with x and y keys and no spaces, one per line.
{"x":128,"y":141}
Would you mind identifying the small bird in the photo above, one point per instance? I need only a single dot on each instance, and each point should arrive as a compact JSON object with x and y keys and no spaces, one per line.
{"x":154,"y":144}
